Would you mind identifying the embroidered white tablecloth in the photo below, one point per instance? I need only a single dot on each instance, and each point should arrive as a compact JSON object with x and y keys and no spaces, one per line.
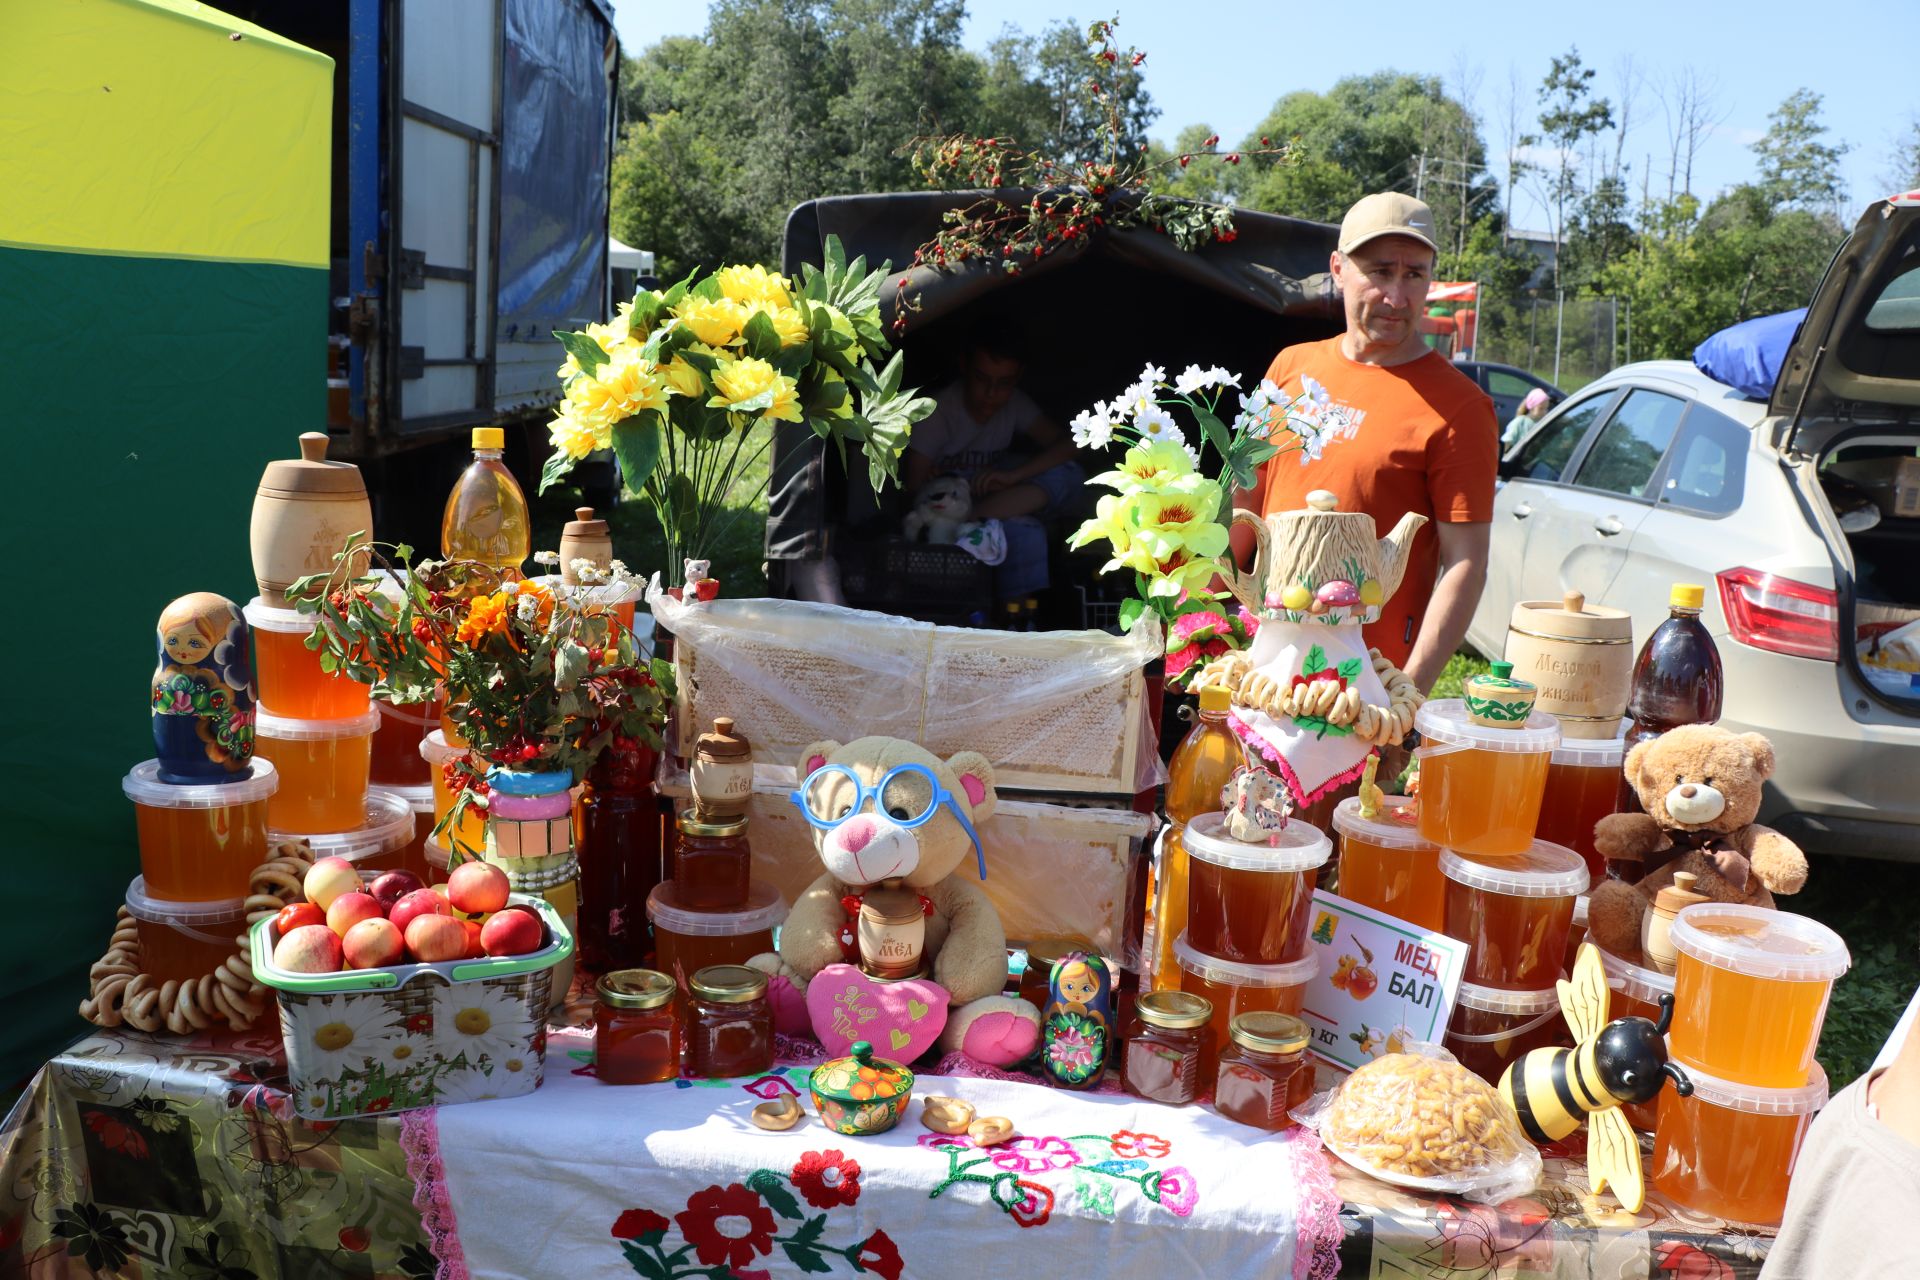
{"x":665,"y":1181}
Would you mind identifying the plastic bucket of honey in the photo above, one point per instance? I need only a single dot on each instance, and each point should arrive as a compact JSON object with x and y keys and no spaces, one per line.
{"x":1583,"y":786}
{"x":1750,"y":992}
{"x":1243,"y":988}
{"x":292,"y":682}
{"x":1386,"y":864}
{"x":1250,"y":903}
{"x":199,"y":842}
{"x":323,"y":771}
{"x":385,"y":829}
{"x":1728,"y":1150}
{"x":1481,"y":786}
{"x":1636,"y":994}
{"x":1491,"y":1029}
{"x":1514,"y":913}
{"x":469,"y":834}
{"x":412,"y":855}
{"x":180,"y":941}
{"x":395,"y":759}
{"x":687,"y":940}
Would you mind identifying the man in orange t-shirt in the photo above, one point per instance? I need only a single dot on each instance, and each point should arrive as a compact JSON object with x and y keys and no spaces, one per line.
{"x":1413,"y":434}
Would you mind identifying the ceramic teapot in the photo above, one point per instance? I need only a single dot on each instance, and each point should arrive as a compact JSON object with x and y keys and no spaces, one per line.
{"x":1321,"y":562}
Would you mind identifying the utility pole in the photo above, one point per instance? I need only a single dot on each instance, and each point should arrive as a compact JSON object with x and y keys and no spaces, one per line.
{"x":1420,"y":179}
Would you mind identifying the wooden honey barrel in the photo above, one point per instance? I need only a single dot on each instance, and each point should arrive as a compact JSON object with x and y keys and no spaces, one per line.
{"x":303,"y":512}
{"x":1581,"y":658}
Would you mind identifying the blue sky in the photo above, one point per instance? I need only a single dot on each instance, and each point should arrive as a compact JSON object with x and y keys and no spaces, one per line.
{"x":1226,"y":62}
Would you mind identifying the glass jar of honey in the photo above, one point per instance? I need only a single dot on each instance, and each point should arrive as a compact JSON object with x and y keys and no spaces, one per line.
{"x":1480,"y":785}
{"x":1264,"y":1072}
{"x":1234,"y":989}
{"x":1386,"y":864}
{"x":636,"y":1028}
{"x":1728,"y":1150}
{"x":1750,"y":992}
{"x":729,"y":1023}
{"x":1170,"y":1047}
{"x":712,"y":862}
{"x":1251,"y":903}
{"x":1636,"y":994}
{"x":1491,"y":1029}
{"x":1513,"y":912}
{"x":686,"y":940}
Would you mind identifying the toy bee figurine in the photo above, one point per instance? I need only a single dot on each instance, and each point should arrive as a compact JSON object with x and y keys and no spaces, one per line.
{"x":1553,"y":1090}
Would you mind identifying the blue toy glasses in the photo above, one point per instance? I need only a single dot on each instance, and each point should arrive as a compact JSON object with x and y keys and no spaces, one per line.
{"x":898,"y":803}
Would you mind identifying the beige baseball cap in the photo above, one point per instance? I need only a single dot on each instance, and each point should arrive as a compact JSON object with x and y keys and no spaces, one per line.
{"x":1386,"y":213}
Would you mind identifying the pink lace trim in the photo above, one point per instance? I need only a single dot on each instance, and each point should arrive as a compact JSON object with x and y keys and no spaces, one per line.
{"x":1302,"y":798}
{"x":420,"y":1137}
{"x":1316,"y":1252}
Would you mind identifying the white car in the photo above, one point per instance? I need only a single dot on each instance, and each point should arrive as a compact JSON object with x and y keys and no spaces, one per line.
{"x":1656,"y":474}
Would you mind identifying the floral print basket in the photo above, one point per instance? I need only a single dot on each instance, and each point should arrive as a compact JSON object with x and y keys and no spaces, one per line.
{"x":370,"y":1041}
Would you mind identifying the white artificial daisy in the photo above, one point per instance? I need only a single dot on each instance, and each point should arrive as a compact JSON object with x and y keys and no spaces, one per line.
{"x":343,"y":1033}
{"x":1191,"y":379}
{"x":472,"y":1018}
{"x":547,"y":558}
{"x":468,"y":1086}
{"x":1219,"y":377}
{"x":1152,"y":376}
{"x":1311,"y":389}
{"x":1191,"y":453}
{"x":1155,"y":423}
{"x":1092,"y":428}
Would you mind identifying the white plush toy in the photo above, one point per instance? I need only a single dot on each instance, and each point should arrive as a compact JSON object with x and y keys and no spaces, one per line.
{"x":942,"y":507}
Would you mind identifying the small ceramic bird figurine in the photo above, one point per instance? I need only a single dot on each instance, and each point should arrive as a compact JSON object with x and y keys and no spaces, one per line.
{"x":1370,"y":795}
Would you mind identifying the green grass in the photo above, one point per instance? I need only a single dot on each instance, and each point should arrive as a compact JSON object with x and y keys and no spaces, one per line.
{"x":738,"y":554}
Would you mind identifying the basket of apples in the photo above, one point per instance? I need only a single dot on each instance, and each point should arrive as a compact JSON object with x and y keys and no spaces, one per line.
{"x":394,"y":995}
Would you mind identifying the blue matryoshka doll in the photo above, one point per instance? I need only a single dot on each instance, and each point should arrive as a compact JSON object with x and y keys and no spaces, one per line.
{"x":202,"y":693}
{"x":1077,"y":1024}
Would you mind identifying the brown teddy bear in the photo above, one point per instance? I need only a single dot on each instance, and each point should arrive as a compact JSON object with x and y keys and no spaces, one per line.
{"x":1700,"y":787}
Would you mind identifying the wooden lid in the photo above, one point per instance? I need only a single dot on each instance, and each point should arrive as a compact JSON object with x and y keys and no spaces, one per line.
{"x":723,"y":743}
{"x":1678,"y":894}
{"x":584,"y":525}
{"x":311,"y":472}
{"x":1571,"y":616}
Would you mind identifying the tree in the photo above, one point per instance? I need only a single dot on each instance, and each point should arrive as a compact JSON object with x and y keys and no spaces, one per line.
{"x":1687,"y":102}
{"x":1569,"y":115}
{"x":1798,"y":168}
{"x":1904,"y":173}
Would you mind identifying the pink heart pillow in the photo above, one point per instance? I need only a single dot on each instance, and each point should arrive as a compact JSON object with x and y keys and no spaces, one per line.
{"x":901,"y":1020}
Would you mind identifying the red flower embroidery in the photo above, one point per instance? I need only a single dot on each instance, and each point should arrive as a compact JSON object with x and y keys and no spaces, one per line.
{"x":115,"y":1136}
{"x":1129,"y":1145}
{"x":727,"y":1226}
{"x":1035,"y":1207}
{"x":827,"y":1178}
{"x":638,"y":1222}
{"x":881,"y":1256}
{"x":1326,"y":674}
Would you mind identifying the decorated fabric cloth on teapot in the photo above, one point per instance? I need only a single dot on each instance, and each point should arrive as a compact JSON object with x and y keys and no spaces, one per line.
{"x":1310,"y":697}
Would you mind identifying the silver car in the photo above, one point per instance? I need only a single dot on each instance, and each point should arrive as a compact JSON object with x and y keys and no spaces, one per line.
{"x":1799,"y":515}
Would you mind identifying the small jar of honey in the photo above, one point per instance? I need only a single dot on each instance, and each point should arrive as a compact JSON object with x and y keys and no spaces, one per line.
{"x":730,"y":1023}
{"x":636,"y":1028}
{"x":1264,"y":1072}
{"x":1170,"y":1048}
{"x":712,"y":863}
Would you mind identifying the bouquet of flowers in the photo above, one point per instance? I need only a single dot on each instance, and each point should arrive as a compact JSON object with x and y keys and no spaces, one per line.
{"x":535,"y":675}
{"x":676,"y":382}
{"x":1167,"y":521}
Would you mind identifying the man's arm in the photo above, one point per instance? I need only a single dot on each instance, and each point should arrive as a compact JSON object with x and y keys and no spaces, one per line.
{"x":1054,"y":447}
{"x":1463,"y":575}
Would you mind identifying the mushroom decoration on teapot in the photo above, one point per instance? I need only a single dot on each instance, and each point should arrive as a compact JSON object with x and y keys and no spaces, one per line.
{"x":1309,"y":696}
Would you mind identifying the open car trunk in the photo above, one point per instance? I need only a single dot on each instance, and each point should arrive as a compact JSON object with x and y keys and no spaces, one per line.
{"x":1847,"y":405}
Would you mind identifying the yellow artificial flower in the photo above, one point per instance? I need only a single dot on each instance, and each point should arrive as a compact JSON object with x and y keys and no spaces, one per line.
{"x":683,"y":379}
{"x":715,"y":321}
{"x":576,"y":437}
{"x":844,"y":327}
{"x":787,"y":322}
{"x":747,"y":284}
{"x":1183,"y":574}
{"x":1111,"y":521}
{"x":738,"y":381}
{"x":1153,"y":466}
{"x":611,"y":336}
{"x":1169,"y":523}
{"x":619,"y":389}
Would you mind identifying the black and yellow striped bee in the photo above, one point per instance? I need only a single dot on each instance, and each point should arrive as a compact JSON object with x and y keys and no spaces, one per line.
{"x":1553,"y":1091}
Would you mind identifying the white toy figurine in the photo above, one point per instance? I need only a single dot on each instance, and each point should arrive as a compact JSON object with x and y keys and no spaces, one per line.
{"x":942,"y":507}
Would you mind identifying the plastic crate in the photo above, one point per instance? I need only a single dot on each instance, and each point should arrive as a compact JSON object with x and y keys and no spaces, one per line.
{"x":374,"y":1041}
{"x":928,"y":581}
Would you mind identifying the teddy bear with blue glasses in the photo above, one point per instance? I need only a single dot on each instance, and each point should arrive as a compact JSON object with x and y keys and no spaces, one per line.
{"x":887,"y":810}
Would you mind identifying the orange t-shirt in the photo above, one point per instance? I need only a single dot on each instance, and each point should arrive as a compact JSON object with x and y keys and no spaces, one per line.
{"x":1417,"y":437}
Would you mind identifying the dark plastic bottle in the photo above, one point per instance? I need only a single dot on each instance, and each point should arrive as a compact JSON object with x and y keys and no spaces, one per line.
{"x":1676,"y":680}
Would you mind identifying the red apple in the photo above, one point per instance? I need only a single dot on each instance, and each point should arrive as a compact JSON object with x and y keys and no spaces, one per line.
{"x":372,"y":943}
{"x":310,"y":948}
{"x":391,"y":886}
{"x":349,"y":909}
{"x":421,"y":902}
{"x":512,"y":933}
{"x":477,"y":888}
{"x":435,"y":939}
{"x":474,"y":949}
{"x":327,"y":879}
{"x":296,"y":914}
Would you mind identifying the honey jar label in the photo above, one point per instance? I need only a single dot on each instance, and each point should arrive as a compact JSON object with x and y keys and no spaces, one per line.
{"x":1382,"y":984}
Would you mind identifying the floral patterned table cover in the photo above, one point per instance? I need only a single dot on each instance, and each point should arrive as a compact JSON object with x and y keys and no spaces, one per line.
{"x":142,"y":1156}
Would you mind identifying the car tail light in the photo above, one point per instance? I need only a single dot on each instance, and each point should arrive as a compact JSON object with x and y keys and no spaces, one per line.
{"x":1780,"y":615}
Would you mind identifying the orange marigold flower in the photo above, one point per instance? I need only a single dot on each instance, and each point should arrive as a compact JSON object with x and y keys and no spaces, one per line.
{"x":486,"y":615}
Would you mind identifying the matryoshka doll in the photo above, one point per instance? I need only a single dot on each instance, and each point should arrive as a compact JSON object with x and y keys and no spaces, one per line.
{"x":202,"y":694}
{"x":1077,"y":1024}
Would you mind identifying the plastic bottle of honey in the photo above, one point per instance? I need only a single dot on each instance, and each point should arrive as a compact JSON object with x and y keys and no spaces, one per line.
{"x":1202,"y":765}
{"x":1676,"y":680}
{"x":486,"y":517}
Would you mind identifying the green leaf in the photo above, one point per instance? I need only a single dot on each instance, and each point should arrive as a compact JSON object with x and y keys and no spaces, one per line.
{"x":582,"y":348}
{"x":811,"y":1231}
{"x":643,"y":1261}
{"x":763,"y":340}
{"x":1316,"y":660}
{"x":1130,"y":611}
{"x":636,"y":442}
{"x":555,"y":469}
{"x":1349,"y":670}
{"x":808,"y":1260}
{"x":1214,"y":430}
{"x":773,"y":1189}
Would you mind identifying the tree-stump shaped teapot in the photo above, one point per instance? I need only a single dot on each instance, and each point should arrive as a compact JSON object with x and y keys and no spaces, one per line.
{"x":1323,"y":563}
{"x":1310,"y":697}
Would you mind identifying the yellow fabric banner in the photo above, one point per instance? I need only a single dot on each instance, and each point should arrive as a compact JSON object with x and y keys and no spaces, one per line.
{"x":161,"y":128}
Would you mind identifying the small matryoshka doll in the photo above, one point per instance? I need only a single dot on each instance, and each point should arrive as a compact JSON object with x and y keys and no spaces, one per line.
{"x":203,"y":691}
{"x":1077,"y":1024}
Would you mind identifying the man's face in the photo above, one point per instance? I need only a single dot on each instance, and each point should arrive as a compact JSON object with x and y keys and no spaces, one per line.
{"x":1384,"y":284}
{"x":990,"y":384}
